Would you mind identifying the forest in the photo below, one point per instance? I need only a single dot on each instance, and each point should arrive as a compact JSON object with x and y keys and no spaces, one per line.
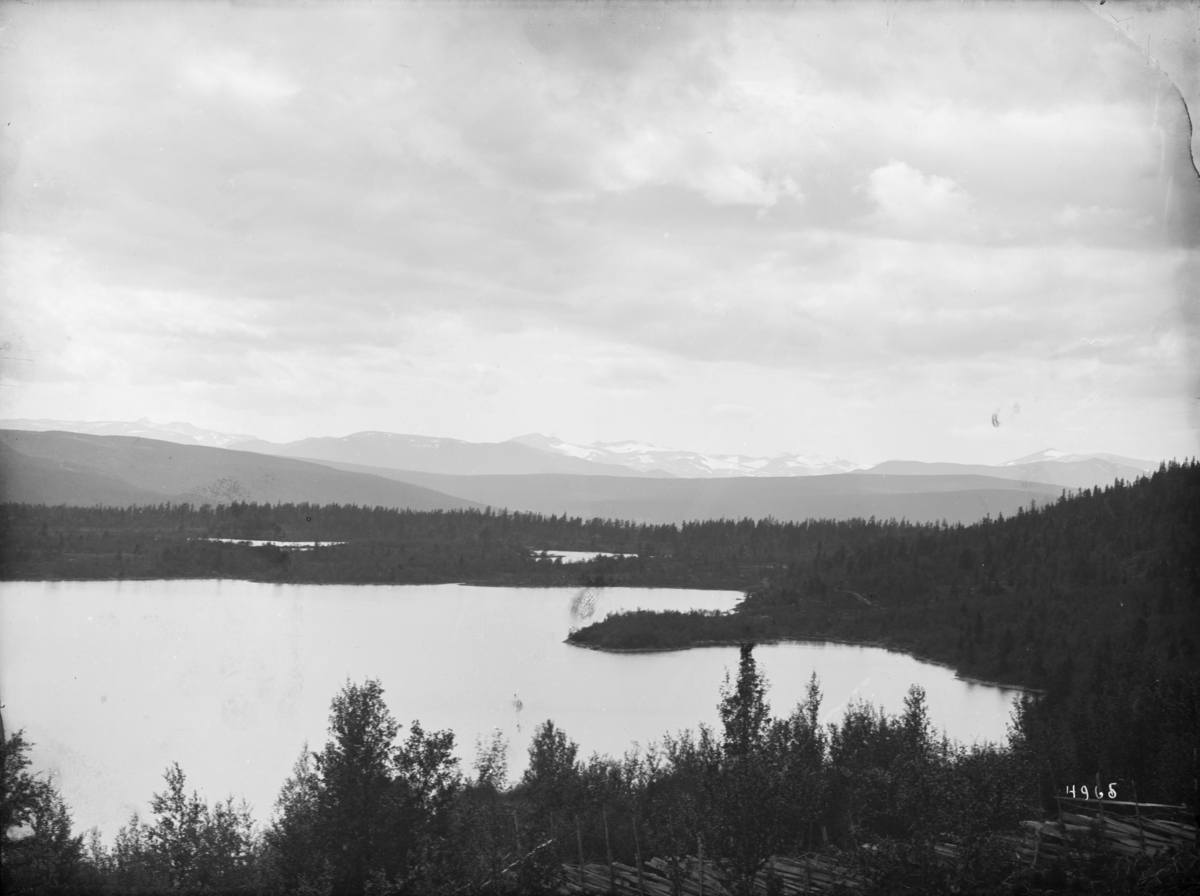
{"x":1089,"y":602}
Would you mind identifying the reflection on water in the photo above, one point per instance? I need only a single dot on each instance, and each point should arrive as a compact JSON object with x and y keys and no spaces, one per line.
{"x":114,"y":680}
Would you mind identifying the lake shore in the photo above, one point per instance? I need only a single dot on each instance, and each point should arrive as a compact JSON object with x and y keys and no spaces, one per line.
{"x":881,"y":645}
{"x":665,"y":631}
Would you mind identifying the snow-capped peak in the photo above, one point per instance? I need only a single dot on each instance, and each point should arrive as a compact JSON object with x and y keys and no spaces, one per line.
{"x":1047,"y":454}
{"x":648,"y":458}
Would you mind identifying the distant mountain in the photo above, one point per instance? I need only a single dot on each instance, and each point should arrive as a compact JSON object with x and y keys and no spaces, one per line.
{"x":178,"y":432}
{"x":646,"y":458}
{"x":78,"y":468}
{"x":31,"y":479}
{"x":956,"y":499}
{"x":82,"y":469}
{"x":1069,"y":471}
{"x":536,"y":454}
{"x":425,"y":454}
{"x":1047,"y":467}
{"x":1061,"y":457}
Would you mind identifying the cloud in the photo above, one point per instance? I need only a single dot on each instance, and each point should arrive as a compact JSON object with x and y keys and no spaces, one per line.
{"x":257,"y":206}
{"x":731,"y":411}
{"x":1096,"y":219}
{"x":238,"y":76}
{"x":630,"y":374}
{"x":915,"y":203}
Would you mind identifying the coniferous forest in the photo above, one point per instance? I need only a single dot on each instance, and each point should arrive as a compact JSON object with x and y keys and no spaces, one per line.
{"x":1090,"y":603}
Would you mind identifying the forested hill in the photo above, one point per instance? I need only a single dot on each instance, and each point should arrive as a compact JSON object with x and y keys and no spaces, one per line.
{"x":1012,"y":599}
{"x":1094,"y":599}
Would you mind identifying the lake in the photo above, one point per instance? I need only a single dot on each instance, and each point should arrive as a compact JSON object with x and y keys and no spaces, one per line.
{"x":114,"y":680}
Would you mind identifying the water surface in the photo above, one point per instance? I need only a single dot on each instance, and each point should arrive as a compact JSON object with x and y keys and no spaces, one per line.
{"x":114,"y":680}
{"x":577,"y":556}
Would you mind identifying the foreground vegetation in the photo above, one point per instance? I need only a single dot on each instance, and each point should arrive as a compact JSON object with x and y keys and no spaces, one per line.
{"x":374,"y":812}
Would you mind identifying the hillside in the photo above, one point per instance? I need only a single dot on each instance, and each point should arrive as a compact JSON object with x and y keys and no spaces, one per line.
{"x":180,"y":432}
{"x":923,"y":499}
{"x":1084,"y":472}
{"x":1012,"y":600}
{"x":41,"y":480}
{"x":72,"y":468}
{"x":1093,"y":599}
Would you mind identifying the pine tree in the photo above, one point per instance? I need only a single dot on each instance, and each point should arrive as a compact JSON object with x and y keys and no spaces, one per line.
{"x":743,"y":708}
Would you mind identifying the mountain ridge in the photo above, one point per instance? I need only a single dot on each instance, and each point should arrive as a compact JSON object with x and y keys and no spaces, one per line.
{"x":400,"y":451}
{"x":83,"y":469}
{"x":534,"y":453}
{"x":926,"y":499}
{"x":686,"y":463}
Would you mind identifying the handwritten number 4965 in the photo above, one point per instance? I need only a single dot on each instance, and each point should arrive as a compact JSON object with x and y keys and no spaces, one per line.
{"x":1096,"y":793}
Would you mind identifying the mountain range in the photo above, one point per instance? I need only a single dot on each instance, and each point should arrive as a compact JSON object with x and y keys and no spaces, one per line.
{"x":42,"y":462}
{"x":536,"y":453}
{"x":686,"y":464}
{"x":78,"y":468}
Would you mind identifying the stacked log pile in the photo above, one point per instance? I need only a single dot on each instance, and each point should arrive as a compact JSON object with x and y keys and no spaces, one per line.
{"x":808,"y":874}
{"x":1128,"y":829}
{"x":714,"y":881}
{"x":1108,"y":825}
{"x":617,"y":878}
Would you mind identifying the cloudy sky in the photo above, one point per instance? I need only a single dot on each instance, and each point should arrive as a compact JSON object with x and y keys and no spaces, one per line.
{"x":859,"y":231}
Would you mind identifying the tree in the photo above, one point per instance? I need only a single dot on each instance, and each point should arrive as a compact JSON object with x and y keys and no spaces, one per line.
{"x":743,"y":708}
{"x":176,"y":837}
{"x":491,"y":762}
{"x":294,"y":858}
{"x":552,"y":777}
{"x":187,"y":845}
{"x":38,"y":853}
{"x":915,"y":770}
{"x":428,"y":778}
{"x":357,"y":804}
{"x":802,"y":744}
{"x":366,"y":812}
{"x":750,"y":799}
{"x":681,"y":799}
{"x":429,"y":769}
{"x":487,"y":825}
{"x":230,"y":846}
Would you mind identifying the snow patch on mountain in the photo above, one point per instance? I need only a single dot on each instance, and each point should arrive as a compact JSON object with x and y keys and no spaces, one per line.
{"x":648,"y":458}
{"x":1053,"y":455}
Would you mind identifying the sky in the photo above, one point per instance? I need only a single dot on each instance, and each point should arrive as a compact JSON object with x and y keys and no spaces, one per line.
{"x":942,"y":232}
